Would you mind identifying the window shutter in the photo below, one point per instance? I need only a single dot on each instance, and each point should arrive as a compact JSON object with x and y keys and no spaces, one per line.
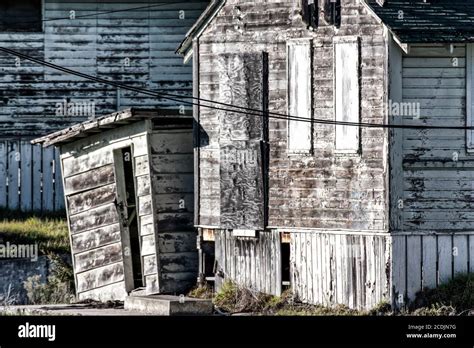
{"x":347,"y":96}
{"x":470,"y":96}
{"x":310,"y":13}
{"x":299,"y":95}
{"x":332,"y":12}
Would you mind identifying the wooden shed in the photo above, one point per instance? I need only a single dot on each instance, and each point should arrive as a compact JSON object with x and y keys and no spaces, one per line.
{"x":128,"y":179}
{"x":340,"y":212}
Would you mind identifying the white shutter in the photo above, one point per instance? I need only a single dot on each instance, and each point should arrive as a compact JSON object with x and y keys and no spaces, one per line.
{"x":299,"y":95}
{"x":470,"y":96}
{"x":347,"y":96}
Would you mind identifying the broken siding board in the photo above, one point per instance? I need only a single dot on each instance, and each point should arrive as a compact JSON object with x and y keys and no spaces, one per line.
{"x":86,"y":181}
{"x":95,"y":238}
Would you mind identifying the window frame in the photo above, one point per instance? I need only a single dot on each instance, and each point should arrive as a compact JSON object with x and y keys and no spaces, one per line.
{"x":350,"y":40}
{"x":309,"y":149}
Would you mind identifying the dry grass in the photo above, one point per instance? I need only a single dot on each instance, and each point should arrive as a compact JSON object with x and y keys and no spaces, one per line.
{"x":51,"y":234}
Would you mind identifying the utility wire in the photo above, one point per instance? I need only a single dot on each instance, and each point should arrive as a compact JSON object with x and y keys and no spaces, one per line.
{"x":235,"y":108}
{"x":106,"y":12}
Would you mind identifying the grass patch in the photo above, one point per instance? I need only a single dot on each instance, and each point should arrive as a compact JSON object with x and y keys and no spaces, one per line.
{"x":51,"y":234}
{"x":203,"y":291}
{"x":455,"y":296}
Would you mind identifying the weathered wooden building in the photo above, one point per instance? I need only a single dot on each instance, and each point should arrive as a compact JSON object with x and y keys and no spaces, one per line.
{"x":340,"y":213}
{"x":128,"y":185}
{"x":130,"y":42}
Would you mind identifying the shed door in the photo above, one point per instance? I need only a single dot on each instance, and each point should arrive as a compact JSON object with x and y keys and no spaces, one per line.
{"x":127,"y":208}
{"x":243,"y":141}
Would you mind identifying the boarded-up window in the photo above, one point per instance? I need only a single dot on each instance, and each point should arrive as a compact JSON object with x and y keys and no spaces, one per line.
{"x":299,"y":95}
{"x":20,"y":15}
{"x":242,"y":82}
{"x":470,"y":97}
{"x":347,"y":96}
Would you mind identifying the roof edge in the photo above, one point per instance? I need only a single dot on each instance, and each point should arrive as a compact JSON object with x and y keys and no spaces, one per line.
{"x":201,"y":24}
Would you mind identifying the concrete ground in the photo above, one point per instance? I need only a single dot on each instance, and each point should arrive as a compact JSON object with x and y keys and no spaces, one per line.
{"x":68,"y":309}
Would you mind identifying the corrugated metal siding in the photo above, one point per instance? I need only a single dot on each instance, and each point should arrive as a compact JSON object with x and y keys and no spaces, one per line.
{"x":96,"y":45}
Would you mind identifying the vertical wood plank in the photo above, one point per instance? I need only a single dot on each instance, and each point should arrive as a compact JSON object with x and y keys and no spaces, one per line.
{"x":399,"y":270}
{"x":3,"y":174}
{"x":48,"y":177}
{"x":460,"y":253}
{"x":429,"y":262}
{"x":471,"y":253}
{"x":316,"y":268}
{"x":293,"y":269}
{"x":338,"y":258}
{"x":26,"y":176}
{"x":36,"y":176}
{"x":445,"y":259}
{"x":278,"y":262}
{"x":13,"y":171}
{"x":58,"y":183}
{"x":413,"y":266}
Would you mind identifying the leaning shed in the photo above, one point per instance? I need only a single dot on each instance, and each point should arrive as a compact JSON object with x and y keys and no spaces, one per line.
{"x":128,"y":180}
{"x":341,"y":212}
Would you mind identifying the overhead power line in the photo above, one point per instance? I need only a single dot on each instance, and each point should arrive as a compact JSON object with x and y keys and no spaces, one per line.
{"x":105,"y":12}
{"x":234,"y":108}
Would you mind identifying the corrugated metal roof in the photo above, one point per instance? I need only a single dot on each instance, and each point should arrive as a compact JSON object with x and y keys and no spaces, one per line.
{"x":417,"y":21}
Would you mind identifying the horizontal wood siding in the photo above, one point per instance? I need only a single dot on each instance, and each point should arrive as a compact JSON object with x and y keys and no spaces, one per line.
{"x":349,"y":269}
{"x":323,"y":190}
{"x":437,"y":171}
{"x":135,"y":47}
{"x":30,"y":177}
{"x":94,"y":222}
{"x":254,"y":263}
{"x":172,"y":188}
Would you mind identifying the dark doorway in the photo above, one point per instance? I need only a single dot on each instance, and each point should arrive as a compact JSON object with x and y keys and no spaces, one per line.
{"x":127,"y":206}
{"x":285,"y":265}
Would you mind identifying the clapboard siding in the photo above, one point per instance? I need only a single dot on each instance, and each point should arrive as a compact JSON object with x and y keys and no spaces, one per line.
{"x":254,"y":263}
{"x":421,"y":260}
{"x":437,"y":170}
{"x":30,"y":177}
{"x":348,"y":269}
{"x":135,"y":47}
{"x":94,"y":222}
{"x":172,"y":187}
{"x":320,"y":191}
